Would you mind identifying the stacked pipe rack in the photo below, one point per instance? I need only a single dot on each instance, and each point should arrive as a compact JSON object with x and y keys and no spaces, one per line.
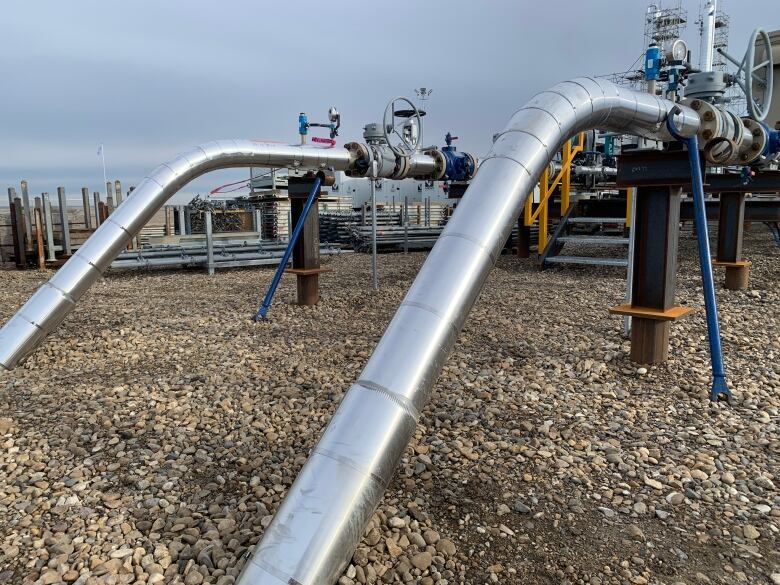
{"x":45,"y":236}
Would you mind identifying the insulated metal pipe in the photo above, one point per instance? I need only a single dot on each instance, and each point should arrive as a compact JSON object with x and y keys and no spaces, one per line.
{"x":53,"y":301}
{"x":317,"y":527}
{"x":589,"y":170}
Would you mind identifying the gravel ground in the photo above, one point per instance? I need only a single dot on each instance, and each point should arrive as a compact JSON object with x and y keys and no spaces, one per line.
{"x":153,"y":436}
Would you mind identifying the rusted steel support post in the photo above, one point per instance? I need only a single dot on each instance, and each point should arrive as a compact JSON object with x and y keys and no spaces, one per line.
{"x":64,"y":221}
{"x":97,"y":202}
{"x":28,"y":213}
{"x":306,"y":252}
{"x":19,"y":233}
{"x":85,"y":205}
{"x":659,"y":177}
{"x":523,"y":239}
{"x":652,"y":307}
{"x":731,"y":225}
{"x":48,"y":221}
{"x":39,"y":238}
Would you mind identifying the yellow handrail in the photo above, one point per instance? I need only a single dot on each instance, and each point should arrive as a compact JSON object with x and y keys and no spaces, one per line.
{"x":547,"y":188}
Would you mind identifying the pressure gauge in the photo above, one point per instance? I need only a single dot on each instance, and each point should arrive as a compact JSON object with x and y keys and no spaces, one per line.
{"x":676,"y":50}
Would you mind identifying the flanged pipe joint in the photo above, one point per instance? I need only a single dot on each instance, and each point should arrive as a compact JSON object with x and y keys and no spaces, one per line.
{"x":394,"y":163}
{"x":727,"y":138}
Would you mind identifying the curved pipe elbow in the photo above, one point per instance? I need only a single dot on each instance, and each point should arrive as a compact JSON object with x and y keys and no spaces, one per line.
{"x":54,"y":300}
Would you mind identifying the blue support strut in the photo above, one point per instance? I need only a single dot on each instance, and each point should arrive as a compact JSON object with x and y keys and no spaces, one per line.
{"x":263,"y":310}
{"x":719,"y":388}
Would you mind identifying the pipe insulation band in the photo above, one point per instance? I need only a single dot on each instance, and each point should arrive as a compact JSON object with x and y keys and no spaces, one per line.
{"x":315,"y":531}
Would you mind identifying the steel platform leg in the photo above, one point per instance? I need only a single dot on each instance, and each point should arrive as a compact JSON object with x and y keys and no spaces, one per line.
{"x":731,"y":224}
{"x":306,"y":252}
{"x":656,"y":228}
{"x":523,"y":239}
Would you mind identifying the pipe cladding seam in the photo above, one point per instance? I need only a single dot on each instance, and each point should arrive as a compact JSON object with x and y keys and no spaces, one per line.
{"x":401,"y":401}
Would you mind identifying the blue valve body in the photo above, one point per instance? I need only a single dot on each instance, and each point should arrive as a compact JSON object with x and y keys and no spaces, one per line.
{"x":460,"y":166}
{"x":773,"y":143}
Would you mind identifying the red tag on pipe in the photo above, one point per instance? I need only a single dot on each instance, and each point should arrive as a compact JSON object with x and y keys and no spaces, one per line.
{"x":329,"y":141}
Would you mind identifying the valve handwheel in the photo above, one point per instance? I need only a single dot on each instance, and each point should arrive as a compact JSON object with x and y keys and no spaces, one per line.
{"x":406,"y":146}
{"x":755,"y":79}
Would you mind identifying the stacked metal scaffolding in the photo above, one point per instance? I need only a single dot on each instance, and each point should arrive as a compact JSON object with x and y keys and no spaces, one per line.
{"x":721,"y":40}
{"x":664,"y":24}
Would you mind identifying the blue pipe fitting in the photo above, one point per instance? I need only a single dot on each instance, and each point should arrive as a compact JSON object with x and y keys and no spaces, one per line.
{"x":773,"y":142}
{"x":460,"y":165}
{"x":303,"y":124}
{"x":719,"y":387}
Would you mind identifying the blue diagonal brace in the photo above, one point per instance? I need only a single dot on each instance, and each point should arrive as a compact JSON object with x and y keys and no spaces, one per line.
{"x":719,"y":388}
{"x":263,"y":310}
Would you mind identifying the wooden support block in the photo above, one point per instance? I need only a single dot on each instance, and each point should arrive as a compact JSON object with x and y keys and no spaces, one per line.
{"x":307,"y":271}
{"x":671,"y":314}
{"x":649,"y":340}
{"x":308,"y":288}
{"x":737,"y":273}
{"x":58,"y":263}
{"x":737,"y":277}
{"x":737,"y":264}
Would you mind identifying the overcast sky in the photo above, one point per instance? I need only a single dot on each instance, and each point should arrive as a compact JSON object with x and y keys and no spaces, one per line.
{"x":150,"y":78}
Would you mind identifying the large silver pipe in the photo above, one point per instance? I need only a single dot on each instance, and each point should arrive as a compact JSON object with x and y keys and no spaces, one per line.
{"x":53,"y":301}
{"x":317,"y":527}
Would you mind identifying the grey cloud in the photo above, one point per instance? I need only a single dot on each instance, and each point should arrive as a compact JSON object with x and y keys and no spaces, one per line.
{"x":151,"y":78}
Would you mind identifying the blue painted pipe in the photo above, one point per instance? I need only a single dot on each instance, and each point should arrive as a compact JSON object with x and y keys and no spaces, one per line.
{"x":263,"y":310}
{"x":719,"y":388}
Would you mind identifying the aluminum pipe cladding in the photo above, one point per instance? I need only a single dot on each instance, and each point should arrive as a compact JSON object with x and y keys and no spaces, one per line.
{"x":50,"y":304}
{"x":316,"y":529}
